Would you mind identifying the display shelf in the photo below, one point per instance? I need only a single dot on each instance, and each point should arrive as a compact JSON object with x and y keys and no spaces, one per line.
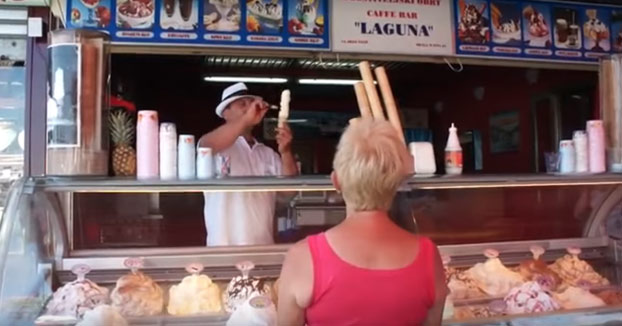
{"x":311,"y":183}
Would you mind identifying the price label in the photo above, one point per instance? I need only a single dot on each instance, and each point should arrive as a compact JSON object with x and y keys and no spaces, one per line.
{"x":194,"y":268}
{"x":491,"y":253}
{"x":81,"y":269}
{"x":134,"y":263}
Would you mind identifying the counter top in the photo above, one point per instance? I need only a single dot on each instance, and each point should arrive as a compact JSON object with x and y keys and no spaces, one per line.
{"x":313,"y":183}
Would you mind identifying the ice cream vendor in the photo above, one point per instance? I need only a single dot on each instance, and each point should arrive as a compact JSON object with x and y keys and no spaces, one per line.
{"x":245,"y":218}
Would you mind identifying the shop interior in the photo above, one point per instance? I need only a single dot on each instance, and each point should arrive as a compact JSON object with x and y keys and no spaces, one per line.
{"x":507,"y":118}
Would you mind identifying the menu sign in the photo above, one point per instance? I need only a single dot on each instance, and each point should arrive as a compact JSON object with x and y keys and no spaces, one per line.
{"x":538,"y":30}
{"x":264,"y":23}
{"x":396,"y":27}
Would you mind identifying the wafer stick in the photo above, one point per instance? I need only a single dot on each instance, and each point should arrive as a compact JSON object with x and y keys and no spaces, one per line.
{"x":372,"y":94}
{"x":361,"y":99}
{"x":389,"y":100}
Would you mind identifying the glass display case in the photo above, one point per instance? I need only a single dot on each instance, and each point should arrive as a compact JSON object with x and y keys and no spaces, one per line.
{"x":52,"y":225}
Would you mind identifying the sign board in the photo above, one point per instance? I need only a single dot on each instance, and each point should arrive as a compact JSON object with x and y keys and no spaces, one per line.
{"x":290,"y":24}
{"x":394,"y":27}
{"x":553,"y":31}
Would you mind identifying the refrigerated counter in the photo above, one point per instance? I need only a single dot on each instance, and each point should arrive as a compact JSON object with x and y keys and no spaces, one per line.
{"x":51,"y":225}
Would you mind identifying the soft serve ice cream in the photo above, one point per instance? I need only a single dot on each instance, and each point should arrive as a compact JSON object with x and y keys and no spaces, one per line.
{"x":196,"y":294}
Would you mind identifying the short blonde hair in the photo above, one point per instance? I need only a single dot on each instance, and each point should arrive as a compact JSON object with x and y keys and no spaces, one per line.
{"x":370,"y":164}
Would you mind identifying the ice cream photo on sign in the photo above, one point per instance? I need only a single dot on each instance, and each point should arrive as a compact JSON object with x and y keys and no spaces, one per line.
{"x":506,"y":23}
{"x":135,"y":14}
{"x":473,"y":21}
{"x":616,"y":30}
{"x":90,"y":13}
{"x":537,"y":25}
{"x":179,"y":15}
{"x":264,"y":16}
{"x":221,"y":15}
{"x":306,"y":17}
{"x":596,"y":30}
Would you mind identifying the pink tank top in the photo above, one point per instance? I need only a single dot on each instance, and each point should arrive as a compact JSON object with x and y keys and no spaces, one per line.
{"x":344,"y":294}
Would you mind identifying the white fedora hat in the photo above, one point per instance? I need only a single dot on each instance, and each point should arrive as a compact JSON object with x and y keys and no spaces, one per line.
{"x":231,"y":94}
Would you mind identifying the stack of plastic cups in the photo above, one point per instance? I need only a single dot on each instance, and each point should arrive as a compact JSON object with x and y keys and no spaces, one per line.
{"x":205,"y":163}
{"x":567,"y":155}
{"x":579,"y":139}
{"x":596,"y":146}
{"x":186,"y":160}
{"x":168,"y":151}
{"x":147,"y":156}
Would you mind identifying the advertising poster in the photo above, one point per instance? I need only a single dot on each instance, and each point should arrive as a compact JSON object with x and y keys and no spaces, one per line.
{"x":179,"y":19}
{"x":567,"y":32}
{"x":264,"y":20}
{"x":290,"y":24}
{"x":306,"y":18}
{"x":90,"y":13}
{"x":394,"y":27}
{"x":596,"y":32}
{"x":506,"y":27}
{"x":473,"y":26}
{"x":616,"y":30}
{"x":222,"y":16}
{"x":537,"y":33}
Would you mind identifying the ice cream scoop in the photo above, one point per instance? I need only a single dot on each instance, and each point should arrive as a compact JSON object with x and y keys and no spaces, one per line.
{"x":577,"y":298}
{"x":137,"y":294}
{"x":243,"y":287}
{"x":76,"y":298}
{"x":196,"y":294}
{"x":536,"y":269}
{"x":493,"y":277}
{"x":575,"y":272}
{"x":529,"y":298}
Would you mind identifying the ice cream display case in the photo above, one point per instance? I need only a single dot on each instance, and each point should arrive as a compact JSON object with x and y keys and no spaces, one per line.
{"x":518,"y":249}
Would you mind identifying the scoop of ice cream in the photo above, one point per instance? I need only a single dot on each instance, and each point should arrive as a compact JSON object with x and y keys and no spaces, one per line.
{"x":136,"y":294}
{"x":493,"y":277}
{"x":577,"y":298}
{"x":575,"y":271}
{"x":256,"y":311}
{"x":196,"y":294}
{"x":536,"y":269}
{"x":76,"y":298}
{"x":529,"y":298}
{"x":103,"y":315}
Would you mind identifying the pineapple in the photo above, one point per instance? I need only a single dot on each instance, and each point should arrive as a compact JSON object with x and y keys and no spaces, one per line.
{"x":122,"y":133}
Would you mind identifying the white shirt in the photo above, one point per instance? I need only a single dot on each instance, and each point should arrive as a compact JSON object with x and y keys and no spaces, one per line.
{"x":243,"y":218}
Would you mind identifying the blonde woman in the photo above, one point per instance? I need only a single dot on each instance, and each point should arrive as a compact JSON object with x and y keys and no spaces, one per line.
{"x":366,"y":270}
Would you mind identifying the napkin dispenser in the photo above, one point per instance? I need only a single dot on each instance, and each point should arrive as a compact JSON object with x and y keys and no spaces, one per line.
{"x":423,"y":154}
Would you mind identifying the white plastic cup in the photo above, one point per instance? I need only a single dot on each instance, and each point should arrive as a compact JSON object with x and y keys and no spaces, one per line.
{"x":205,"y":163}
{"x":186,"y":158}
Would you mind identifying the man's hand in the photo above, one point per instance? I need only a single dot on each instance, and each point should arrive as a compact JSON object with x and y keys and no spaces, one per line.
{"x":255,"y":113}
{"x":284,"y":139}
